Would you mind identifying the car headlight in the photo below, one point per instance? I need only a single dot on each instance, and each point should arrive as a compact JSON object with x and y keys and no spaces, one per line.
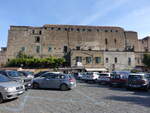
{"x":10,"y":89}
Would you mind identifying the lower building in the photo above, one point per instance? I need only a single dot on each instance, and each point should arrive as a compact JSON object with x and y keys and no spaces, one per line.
{"x":119,"y":60}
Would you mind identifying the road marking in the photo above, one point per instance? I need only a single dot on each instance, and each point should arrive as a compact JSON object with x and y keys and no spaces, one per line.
{"x":18,"y":108}
{"x":103,"y":104}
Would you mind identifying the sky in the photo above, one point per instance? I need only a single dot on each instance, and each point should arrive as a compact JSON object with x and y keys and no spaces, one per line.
{"x":132,"y":15}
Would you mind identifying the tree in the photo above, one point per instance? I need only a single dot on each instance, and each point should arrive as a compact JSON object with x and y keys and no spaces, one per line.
{"x":146,"y":60}
{"x":31,"y":62}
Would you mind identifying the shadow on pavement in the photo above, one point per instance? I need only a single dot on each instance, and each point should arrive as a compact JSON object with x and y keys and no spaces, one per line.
{"x":143,"y":101}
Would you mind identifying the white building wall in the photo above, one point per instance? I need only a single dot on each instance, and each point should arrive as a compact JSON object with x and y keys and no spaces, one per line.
{"x":122,"y":60}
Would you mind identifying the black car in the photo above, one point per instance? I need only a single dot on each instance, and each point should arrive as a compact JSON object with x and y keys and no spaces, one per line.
{"x":138,"y":81}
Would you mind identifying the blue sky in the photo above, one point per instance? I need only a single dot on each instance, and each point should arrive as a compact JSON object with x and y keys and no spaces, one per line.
{"x":129,"y":14}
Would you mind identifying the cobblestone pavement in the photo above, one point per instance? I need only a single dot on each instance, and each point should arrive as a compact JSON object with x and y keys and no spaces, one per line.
{"x":86,"y":98}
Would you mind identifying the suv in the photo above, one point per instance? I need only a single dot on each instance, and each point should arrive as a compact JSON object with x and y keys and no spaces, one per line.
{"x":104,"y":78}
{"x":16,"y":76}
{"x":57,"y":81}
{"x":119,"y":78}
{"x":9,"y":89}
{"x":138,"y":81}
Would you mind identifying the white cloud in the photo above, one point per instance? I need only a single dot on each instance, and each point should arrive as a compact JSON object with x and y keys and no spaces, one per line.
{"x":103,"y":10}
{"x":137,"y":20}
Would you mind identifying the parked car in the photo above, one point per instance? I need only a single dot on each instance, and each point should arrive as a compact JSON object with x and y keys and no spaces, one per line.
{"x":119,"y":78}
{"x":40,"y":73}
{"x":58,"y":81}
{"x":78,"y":75}
{"x":91,"y":76}
{"x":84,"y":76}
{"x":27,"y":74}
{"x":138,"y":81}
{"x":17,"y":76}
{"x":104,"y":78}
{"x":9,"y":89}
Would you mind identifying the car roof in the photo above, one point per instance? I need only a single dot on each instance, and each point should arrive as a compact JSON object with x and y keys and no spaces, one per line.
{"x":140,"y":74}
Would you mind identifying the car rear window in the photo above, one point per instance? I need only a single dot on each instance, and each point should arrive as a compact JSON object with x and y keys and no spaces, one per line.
{"x":135,"y":77}
{"x":4,"y":79}
{"x":104,"y":74}
{"x":14,"y":73}
{"x":147,"y":76}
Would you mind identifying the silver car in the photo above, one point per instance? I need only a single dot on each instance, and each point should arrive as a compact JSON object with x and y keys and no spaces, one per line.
{"x":57,"y":81}
{"x":17,"y":76}
{"x":9,"y":89}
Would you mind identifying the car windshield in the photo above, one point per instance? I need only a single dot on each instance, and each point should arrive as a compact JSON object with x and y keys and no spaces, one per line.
{"x":104,"y":74}
{"x":4,"y":79}
{"x":148,"y":76}
{"x":135,"y":77}
{"x":14,"y":73}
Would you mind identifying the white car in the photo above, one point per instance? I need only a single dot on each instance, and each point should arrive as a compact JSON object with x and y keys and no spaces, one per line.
{"x":104,"y":78}
{"x":92,"y":76}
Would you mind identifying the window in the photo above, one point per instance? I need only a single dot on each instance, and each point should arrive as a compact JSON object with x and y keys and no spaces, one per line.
{"x":97,"y":60}
{"x":78,"y":47}
{"x":106,"y":42}
{"x":37,"y":39}
{"x":129,"y":61}
{"x":78,"y":29}
{"x":106,"y":30}
{"x":97,"y":30}
{"x":23,"y":49}
{"x":78,"y":59}
{"x":89,"y":30}
{"x":65,"y":49}
{"x":49,"y":49}
{"x":88,"y":60}
{"x":40,"y":32}
{"x":71,"y":29}
{"x":83,"y":29}
{"x":107,"y":60}
{"x":37,"y":49}
{"x":52,"y":28}
{"x":115,"y":41}
{"x":59,"y":28}
{"x":33,"y":31}
{"x":66,"y":29}
{"x":115,"y":59}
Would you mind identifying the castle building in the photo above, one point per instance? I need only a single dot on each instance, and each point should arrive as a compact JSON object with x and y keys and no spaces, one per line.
{"x":86,"y":46}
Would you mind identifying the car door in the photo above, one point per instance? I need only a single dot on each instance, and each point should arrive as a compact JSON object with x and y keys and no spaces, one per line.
{"x":52,"y":81}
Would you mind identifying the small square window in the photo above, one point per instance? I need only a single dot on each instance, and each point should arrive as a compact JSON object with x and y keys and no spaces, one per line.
{"x":37,"y":39}
{"x":49,"y":49}
{"x":59,"y":28}
{"x":78,"y":29}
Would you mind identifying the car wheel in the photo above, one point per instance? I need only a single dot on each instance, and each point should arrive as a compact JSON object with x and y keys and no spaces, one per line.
{"x":35,"y":85}
{"x":1,"y":98}
{"x":64,"y":87}
{"x":110,"y":85}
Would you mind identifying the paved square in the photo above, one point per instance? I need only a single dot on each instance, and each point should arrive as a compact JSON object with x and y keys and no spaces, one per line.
{"x":86,"y":98}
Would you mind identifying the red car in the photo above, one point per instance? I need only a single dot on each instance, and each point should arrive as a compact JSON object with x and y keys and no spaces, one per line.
{"x":119,"y":78}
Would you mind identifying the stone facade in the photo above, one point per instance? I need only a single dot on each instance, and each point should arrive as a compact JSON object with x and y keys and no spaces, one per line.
{"x":144,"y":44}
{"x":54,"y":39}
{"x":87,"y":58}
{"x":3,"y":59}
{"x":119,"y":60}
{"x":76,"y":41}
